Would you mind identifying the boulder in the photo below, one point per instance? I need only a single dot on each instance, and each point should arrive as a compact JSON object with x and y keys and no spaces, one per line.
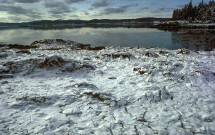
{"x":18,"y":66}
{"x":52,"y":62}
{"x":150,"y":54}
{"x":75,"y":65}
{"x":61,"y":42}
{"x":182,"y":51}
{"x":52,"y":41}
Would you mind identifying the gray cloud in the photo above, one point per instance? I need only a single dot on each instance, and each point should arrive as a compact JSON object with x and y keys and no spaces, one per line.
{"x":2,"y":19}
{"x":5,"y":1}
{"x":109,"y":11}
{"x":58,"y":16}
{"x":74,"y":16}
{"x":19,"y":10}
{"x":121,"y":9}
{"x":163,"y":9}
{"x":27,"y":1}
{"x":15,"y":18}
{"x":128,"y":6}
{"x":18,"y":1}
{"x":144,"y":8}
{"x":57,"y":7}
{"x":73,"y":1}
{"x":102,"y":3}
{"x":19,"y":14}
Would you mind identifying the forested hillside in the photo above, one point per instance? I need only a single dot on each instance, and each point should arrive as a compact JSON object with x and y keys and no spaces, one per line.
{"x":202,"y":12}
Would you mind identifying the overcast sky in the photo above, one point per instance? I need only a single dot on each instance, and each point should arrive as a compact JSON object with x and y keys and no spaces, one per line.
{"x":30,"y":10}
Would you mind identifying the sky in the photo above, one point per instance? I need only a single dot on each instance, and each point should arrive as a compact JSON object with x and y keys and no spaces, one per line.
{"x":32,"y":10}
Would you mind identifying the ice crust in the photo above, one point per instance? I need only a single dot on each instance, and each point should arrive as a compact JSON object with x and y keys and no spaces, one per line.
{"x":153,"y":91}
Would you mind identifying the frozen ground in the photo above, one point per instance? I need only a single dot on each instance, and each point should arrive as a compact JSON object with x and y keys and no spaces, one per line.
{"x":113,"y":91}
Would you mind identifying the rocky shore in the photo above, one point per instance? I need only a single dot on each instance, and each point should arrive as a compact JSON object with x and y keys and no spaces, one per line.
{"x":55,"y":86}
{"x":171,"y":25}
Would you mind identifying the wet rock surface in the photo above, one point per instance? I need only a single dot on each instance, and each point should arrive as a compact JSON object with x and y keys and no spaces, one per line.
{"x":18,"y":46}
{"x":52,"y":62}
{"x":58,"y":44}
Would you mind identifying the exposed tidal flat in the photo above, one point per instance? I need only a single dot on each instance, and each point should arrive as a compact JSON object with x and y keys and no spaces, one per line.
{"x":59,"y":86}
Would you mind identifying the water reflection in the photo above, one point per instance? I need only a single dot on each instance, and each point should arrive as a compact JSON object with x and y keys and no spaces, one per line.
{"x":130,"y":37}
{"x":194,"y":39}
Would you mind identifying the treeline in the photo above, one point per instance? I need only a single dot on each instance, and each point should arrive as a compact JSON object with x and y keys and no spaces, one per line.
{"x":201,"y":12}
{"x":84,"y":23}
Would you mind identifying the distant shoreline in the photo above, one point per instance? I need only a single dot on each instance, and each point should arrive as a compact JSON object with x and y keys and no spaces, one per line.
{"x":164,"y":25}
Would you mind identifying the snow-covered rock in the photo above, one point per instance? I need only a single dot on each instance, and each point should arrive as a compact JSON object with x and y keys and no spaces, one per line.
{"x":138,"y":91}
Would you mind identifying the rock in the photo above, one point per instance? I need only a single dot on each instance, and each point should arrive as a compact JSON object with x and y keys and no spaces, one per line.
{"x":24,"y":51}
{"x":182,"y":51}
{"x":98,"y":48}
{"x":3,"y":55}
{"x":52,"y":62}
{"x":162,"y":132}
{"x":53,"y":41}
{"x":140,"y":71}
{"x":112,"y":103}
{"x":3,"y":70}
{"x":19,"y":66}
{"x":28,"y":66}
{"x":17,"y":46}
{"x":161,"y":52}
{"x":150,"y":54}
{"x":4,"y":76}
{"x":116,"y":55}
{"x":112,"y":78}
{"x":85,"y":85}
{"x":71,"y":67}
{"x":1,"y":92}
{"x":79,"y":46}
{"x":158,"y":95}
{"x":61,"y":42}
{"x":207,"y":118}
{"x":4,"y":82}
{"x":122,"y":102}
{"x":136,"y":69}
{"x":98,"y":96}
{"x":74,"y":65}
{"x":32,"y":99}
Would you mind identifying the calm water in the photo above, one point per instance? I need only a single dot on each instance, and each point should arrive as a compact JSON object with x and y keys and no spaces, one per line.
{"x":129,"y":37}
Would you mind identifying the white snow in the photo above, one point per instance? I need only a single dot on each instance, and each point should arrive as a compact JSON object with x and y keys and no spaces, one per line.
{"x":167,"y":94}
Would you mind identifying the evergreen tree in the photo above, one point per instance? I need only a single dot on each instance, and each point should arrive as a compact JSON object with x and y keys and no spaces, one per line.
{"x":201,"y":12}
